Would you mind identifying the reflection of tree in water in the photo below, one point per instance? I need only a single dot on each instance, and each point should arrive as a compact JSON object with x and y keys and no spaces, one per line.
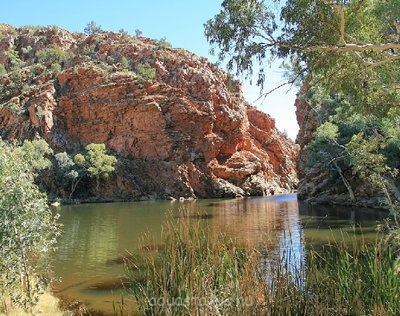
{"x":88,"y":241}
{"x":329,"y":223}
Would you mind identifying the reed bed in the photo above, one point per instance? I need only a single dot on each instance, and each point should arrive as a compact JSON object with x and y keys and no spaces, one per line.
{"x":198,"y":272}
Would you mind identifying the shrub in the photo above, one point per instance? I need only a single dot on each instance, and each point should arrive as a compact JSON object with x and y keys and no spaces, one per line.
{"x":54,"y":55}
{"x":145,"y":72}
{"x":89,"y":50}
{"x":125,"y":63}
{"x":3,"y":70}
{"x":163,"y":43}
{"x":28,"y":230}
{"x":14,"y":59}
{"x":56,"y":68}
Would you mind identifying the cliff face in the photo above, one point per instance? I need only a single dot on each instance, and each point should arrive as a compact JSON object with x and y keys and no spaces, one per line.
{"x":179,"y":126}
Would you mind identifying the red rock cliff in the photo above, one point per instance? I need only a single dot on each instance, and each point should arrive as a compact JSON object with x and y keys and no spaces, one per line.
{"x":178,"y":124}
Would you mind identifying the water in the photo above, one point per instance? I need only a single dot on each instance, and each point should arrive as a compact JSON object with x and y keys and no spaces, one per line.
{"x":96,"y":236}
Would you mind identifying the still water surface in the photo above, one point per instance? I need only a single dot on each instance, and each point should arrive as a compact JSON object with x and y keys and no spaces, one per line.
{"x":95,"y":235}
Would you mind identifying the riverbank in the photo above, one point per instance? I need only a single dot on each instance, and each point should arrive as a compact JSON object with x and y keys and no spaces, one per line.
{"x":48,"y":305}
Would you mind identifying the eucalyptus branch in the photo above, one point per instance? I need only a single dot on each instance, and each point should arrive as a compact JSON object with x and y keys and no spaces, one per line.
{"x":373,"y":64}
{"x":289,"y":82}
{"x":377,"y":48}
{"x":340,"y":11}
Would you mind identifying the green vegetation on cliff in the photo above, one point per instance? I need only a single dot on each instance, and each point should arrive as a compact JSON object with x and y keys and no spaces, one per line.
{"x":166,"y":113}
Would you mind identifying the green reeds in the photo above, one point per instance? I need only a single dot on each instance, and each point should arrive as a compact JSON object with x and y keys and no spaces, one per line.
{"x":354,"y":279}
{"x":198,"y":272}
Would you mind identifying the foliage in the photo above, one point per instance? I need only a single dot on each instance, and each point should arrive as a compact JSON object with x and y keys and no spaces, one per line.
{"x":3,"y":70}
{"x":138,"y":33}
{"x":348,"y":54}
{"x":35,"y":153}
{"x":125,"y":63}
{"x":93,"y":162}
{"x":145,"y":73}
{"x":123,"y":31}
{"x":338,"y":39}
{"x":163,"y":43}
{"x":28,"y":229}
{"x":54,"y":55}
{"x":68,"y":171}
{"x":14,"y":60}
{"x":92,"y":28}
{"x":96,"y":162}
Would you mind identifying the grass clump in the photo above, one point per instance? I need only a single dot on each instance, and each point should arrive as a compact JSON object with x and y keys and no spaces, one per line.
{"x":356,"y":279}
{"x":198,"y":272}
{"x":193,"y":274}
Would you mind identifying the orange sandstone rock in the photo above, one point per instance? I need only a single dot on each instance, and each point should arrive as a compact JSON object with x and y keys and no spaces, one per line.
{"x":187,"y":132}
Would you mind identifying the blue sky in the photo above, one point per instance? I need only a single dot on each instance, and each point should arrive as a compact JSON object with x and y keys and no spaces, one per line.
{"x":179,"y":21}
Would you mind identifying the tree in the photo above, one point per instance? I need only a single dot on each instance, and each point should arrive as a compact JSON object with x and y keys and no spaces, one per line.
{"x":92,"y":28}
{"x":314,"y":34}
{"x":138,"y":33}
{"x":28,"y":229}
{"x":35,"y":154}
{"x":96,"y":162}
{"x":69,"y":171}
{"x":327,"y":153}
{"x":346,"y":50}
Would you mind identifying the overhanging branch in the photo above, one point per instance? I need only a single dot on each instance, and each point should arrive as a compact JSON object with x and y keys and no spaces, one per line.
{"x":377,"y":48}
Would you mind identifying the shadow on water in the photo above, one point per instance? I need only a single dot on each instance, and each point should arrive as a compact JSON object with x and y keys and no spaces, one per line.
{"x":98,"y":238}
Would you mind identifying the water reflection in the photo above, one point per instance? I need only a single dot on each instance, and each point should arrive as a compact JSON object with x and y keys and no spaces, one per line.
{"x":87,"y":239}
{"x":96,"y":234}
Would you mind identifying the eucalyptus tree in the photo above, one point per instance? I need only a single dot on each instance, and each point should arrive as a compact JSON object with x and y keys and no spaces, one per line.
{"x":349,"y":50}
{"x":92,"y":162}
{"x":92,"y":28}
{"x":28,"y":229}
{"x":68,"y":171}
{"x":96,"y":162}
{"x":319,"y":36}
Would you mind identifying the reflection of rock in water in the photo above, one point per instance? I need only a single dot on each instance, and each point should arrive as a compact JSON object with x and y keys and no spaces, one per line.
{"x":255,"y":220}
{"x":110,"y":284}
{"x":271,"y":223}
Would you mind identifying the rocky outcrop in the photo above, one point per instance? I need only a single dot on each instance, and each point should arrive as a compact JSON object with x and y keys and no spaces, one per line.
{"x":179,"y":126}
{"x":308,"y":123}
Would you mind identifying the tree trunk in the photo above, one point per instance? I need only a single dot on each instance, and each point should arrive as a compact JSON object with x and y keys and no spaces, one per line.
{"x":345,"y":182}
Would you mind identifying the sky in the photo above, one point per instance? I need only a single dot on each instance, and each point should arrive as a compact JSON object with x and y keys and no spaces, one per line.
{"x":180,"y":22}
